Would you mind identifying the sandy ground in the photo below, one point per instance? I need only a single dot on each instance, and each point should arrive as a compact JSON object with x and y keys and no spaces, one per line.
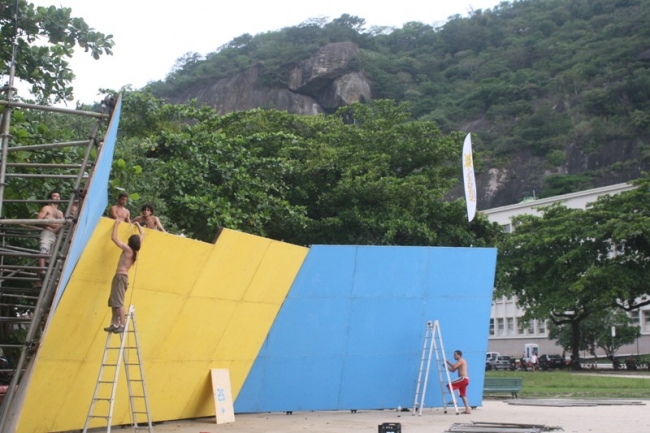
{"x":606,"y":419}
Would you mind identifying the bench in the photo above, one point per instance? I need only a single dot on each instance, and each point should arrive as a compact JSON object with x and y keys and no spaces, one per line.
{"x":503,"y":384}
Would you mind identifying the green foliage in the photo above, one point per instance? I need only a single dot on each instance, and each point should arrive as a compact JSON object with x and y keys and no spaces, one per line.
{"x":527,"y":75}
{"x":571,"y":265}
{"x":548,"y":263}
{"x":33,"y":127}
{"x":365,"y":175}
{"x":557,"y":184}
{"x":624,"y":219}
{"x":46,"y":38}
{"x":595,"y":332}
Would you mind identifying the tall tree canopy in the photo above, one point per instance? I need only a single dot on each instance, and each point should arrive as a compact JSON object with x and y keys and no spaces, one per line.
{"x":547,"y":262}
{"x":624,"y":220}
{"x":569,"y":264}
{"x":45,"y":39}
{"x":365,"y":175}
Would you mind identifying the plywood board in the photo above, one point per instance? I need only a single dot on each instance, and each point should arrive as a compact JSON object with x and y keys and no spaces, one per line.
{"x":222,"y":393}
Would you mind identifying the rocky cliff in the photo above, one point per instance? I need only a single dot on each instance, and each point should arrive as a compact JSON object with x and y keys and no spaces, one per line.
{"x":327,"y":81}
{"x":322,"y":83}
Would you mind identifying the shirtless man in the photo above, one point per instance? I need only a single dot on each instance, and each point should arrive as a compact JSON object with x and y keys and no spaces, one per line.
{"x":48,"y":234}
{"x":118,"y":211}
{"x":121,"y":279}
{"x":148,"y":219}
{"x":463,"y":379}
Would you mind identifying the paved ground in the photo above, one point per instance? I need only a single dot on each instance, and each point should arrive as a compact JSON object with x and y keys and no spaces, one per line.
{"x":606,"y":419}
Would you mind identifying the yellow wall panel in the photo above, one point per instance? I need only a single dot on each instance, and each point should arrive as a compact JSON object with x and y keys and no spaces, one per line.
{"x":202,"y":320}
{"x":238,"y":258}
{"x":274,"y":271}
{"x":198,"y":306}
{"x":242,"y":336}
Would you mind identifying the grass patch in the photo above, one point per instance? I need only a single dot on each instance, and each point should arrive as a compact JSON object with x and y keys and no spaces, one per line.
{"x":562,"y":384}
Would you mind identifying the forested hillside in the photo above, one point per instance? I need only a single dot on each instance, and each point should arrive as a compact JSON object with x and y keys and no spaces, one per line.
{"x":556,"y":92}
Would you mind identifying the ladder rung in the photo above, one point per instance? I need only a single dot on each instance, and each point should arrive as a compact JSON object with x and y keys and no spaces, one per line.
{"x":122,"y":359}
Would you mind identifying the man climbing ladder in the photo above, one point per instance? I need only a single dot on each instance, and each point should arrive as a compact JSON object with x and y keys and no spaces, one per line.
{"x":463,"y":379}
{"x":433,"y":345}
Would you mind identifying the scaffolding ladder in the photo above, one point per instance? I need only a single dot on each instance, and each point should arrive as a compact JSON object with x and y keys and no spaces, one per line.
{"x":127,"y":352}
{"x":28,"y":278}
{"x":433,"y":345}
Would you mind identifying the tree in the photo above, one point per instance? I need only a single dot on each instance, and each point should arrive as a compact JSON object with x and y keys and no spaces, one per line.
{"x":366,"y":175}
{"x":549,"y":262}
{"x":624,"y":220}
{"x":45,"y":40}
{"x":571,"y":264}
{"x":595,"y":332}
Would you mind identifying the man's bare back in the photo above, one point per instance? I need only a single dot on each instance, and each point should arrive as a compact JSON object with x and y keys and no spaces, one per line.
{"x":125,"y":261}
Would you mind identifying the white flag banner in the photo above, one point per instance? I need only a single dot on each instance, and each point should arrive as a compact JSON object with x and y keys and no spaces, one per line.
{"x":468,"y":178}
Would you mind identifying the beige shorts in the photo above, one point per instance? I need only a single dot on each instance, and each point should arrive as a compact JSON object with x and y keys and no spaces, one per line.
{"x":46,"y":241}
{"x":118,"y":289}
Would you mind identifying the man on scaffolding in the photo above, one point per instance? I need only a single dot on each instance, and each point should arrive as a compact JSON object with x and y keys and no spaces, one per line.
{"x":49,"y":232}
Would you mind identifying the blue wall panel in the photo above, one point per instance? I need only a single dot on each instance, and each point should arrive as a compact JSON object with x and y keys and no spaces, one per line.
{"x":351,"y":331}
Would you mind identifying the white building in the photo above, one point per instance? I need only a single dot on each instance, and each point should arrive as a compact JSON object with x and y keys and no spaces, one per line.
{"x":506,"y":335}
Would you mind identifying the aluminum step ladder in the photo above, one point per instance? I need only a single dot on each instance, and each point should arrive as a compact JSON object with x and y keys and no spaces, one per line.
{"x":433,"y":344}
{"x":127,"y":352}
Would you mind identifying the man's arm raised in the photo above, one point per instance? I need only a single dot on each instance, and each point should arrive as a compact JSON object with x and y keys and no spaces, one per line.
{"x":116,"y":239}
{"x":137,"y":224}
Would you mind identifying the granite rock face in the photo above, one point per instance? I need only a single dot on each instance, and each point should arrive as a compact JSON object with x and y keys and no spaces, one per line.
{"x":319,"y":84}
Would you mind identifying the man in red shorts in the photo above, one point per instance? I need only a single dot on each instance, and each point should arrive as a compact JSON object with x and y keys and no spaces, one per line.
{"x":463,"y":379}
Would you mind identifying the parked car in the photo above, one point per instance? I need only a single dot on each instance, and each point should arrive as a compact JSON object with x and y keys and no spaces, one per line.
{"x":490,"y":358}
{"x":502,"y":363}
{"x":547,"y":362}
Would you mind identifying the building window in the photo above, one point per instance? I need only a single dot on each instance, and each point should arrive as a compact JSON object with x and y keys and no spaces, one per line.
{"x":541,"y":326}
{"x":511,"y":326}
{"x":531,"y":327}
{"x":646,"y":319}
{"x":634,"y":316}
{"x":491,"y":326}
{"x":507,"y":228}
{"x":520,"y":327}
{"x":500,"y":326}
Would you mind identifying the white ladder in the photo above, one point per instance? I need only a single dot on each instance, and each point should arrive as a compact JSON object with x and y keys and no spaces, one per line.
{"x":433,"y":343}
{"x":104,"y":396}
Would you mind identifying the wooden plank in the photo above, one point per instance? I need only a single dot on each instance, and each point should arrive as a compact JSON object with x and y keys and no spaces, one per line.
{"x":222,"y":393}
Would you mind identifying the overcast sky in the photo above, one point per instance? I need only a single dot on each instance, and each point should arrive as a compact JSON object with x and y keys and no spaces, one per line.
{"x":151,"y":34}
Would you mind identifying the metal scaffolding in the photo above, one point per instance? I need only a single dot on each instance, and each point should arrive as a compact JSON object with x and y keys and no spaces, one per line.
{"x":27,"y":284}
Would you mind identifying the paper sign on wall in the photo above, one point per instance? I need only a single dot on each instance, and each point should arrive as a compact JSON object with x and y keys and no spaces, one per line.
{"x":222,"y":393}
